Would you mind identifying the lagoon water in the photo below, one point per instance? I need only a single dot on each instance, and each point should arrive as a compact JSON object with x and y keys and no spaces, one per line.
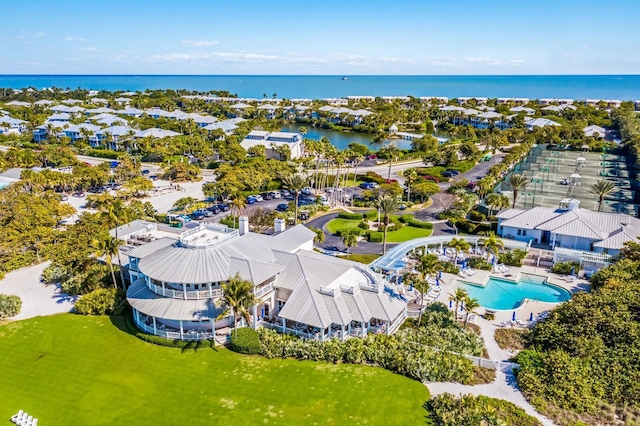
{"x":342,"y":139}
{"x":625,"y":87}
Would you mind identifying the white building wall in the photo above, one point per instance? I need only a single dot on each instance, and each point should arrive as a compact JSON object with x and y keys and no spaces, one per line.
{"x":525,"y":235}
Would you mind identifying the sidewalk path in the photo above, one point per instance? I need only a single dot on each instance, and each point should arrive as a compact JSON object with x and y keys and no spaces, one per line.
{"x":37,"y":299}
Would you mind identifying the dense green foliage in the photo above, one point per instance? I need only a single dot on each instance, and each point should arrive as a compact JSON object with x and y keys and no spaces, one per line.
{"x":512,"y":257}
{"x":90,"y":369}
{"x":102,"y":301}
{"x":585,"y":354}
{"x":565,"y":268}
{"x":423,"y":353}
{"x":10,"y":306}
{"x":245,"y":341}
{"x":412,"y":221}
{"x":468,"y":410}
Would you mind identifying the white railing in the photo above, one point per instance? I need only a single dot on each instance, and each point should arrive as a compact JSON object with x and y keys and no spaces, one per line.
{"x":287,"y":330}
{"x":264,"y":290}
{"x":215,"y":293}
{"x":174,"y":335}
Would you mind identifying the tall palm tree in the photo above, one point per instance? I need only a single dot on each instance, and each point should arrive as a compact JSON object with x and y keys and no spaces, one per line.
{"x":459,"y":245}
{"x":517,"y":183}
{"x":492,"y":243}
{"x":386,"y":204}
{"x":320,"y":237}
{"x":239,"y":298}
{"x":458,"y":296}
{"x":496,"y":201}
{"x":602,"y":188}
{"x":410,"y":176}
{"x":427,"y":266}
{"x":108,"y":246}
{"x":117,"y":214}
{"x":236,"y":205}
{"x":349,"y":239}
{"x":470,"y":306}
{"x":295,"y":182}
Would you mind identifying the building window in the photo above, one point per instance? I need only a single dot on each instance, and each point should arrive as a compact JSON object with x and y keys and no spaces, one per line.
{"x":519,"y":231}
{"x":524,"y":232}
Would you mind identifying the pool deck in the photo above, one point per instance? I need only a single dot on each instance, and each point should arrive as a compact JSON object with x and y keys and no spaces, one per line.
{"x":450,"y":282}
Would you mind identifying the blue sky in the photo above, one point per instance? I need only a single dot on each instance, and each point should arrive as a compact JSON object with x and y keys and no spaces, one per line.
{"x":320,"y":37}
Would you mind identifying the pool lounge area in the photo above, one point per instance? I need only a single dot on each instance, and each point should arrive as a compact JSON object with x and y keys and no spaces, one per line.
{"x":499,"y":293}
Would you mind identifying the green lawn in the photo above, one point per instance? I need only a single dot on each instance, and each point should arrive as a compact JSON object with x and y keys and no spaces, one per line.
{"x":365,"y":258}
{"x":74,"y":370}
{"x":405,"y":233}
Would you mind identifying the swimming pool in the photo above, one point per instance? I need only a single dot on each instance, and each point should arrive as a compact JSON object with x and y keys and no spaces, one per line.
{"x":503,"y":294}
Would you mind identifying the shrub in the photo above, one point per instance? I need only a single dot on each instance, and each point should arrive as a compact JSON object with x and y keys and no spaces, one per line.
{"x":10,"y":305}
{"x":511,"y":338}
{"x":564,"y":268}
{"x":373,"y":177}
{"x":245,"y":341}
{"x":447,"y":409}
{"x":347,"y":215}
{"x":412,"y":221}
{"x":103,"y":301}
{"x":512,"y":257}
{"x":351,"y":230}
{"x":466,"y":226}
{"x":374,"y":236}
{"x":363,"y":225}
{"x":477,"y":216}
{"x":479,"y":263}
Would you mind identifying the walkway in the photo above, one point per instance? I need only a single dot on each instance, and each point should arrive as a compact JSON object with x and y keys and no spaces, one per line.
{"x":504,"y":387}
{"x":37,"y":299}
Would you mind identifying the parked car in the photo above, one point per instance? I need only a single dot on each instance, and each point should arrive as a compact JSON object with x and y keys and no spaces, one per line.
{"x":185,"y":217}
{"x":78,"y":194}
{"x":450,"y":173}
{"x":63,"y":197}
{"x":304,"y":214}
{"x":275,"y":194}
{"x":251,"y":199}
{"x":285,"y":193}
{"x":282,"y":207}
{"x":306,"y":191}
{"x":266,"y":196}
{"x":206,"y":213}
{"x":95,"y":190}
{"x":257,"y":197}
{"x":365,"y":185}
{"x":223,"y":207}
{"x":214,"y":209}
{"x":197,"y":215}
{"x":146,"y":172}
{"x":154,"y":177}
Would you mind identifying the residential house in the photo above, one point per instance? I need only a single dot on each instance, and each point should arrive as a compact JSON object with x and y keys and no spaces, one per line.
{"x":539,"y":122}
{"x":272,"y":140}
{"x":594,"y":131}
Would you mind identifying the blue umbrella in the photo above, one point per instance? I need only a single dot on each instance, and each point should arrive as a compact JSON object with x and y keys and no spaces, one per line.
{"x":513,"y":317}
{"x":437,"y":282}
{"x":444,"y":251}
{"x":493,"y":261}
{"x":262,"y":315}
{"x":573,"y":271}
{"x":411,"y":286}
{"x":464,"y":264}
{"x":450,"y":304}
{"x":461,"y":306}
{"x":531,"y":317}
{"x":439,"y":274}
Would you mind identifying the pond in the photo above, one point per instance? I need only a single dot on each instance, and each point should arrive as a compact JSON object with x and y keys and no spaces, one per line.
{"x":342,"y":139}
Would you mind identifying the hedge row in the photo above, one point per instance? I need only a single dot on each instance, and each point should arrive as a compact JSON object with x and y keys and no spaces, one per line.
{"x":245,"y":341}
{"x":412,"y":221}
{"x":352,"y":216}
{"x":161,"y":341}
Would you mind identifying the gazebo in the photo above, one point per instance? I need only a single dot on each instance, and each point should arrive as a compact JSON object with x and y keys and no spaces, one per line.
{"x":575,"y":179}
{"x":585,"y":148}
{"x":580,"y":161}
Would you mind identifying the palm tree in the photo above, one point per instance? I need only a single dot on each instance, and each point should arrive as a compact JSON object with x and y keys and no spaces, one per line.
{"x":517,"y":183}
{"x":458,"y":296}
{"x":492,"y":243}
{"x":459,"y":245}
{"x":320,"y":237}
{"x":239,"y":298}
{"x":410,"y":176}
{"x":428,"y":266}
{"x":108,"y":246}
{"x":295,"y":182}
{"x":386,"y":204}
{"x":237,"y":204}
{"x":470,"y":305}
{"x":602,"y":188}
{"x":117,"y":213}
{"x":349,"y":239}
{"x":496,"y":201}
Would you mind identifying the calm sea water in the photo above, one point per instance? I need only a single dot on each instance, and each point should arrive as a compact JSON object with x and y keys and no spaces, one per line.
{"x":625,"y":87}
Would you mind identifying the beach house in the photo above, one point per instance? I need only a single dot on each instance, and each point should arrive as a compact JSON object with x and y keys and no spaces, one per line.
{"x":177,"y":279}
{"x":272,"y":140}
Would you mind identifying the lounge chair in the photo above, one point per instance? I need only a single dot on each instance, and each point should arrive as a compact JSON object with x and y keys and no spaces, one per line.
{"x":505,"y":323}
{"x":571,"y":278}
{"x":469,"y":271}
{"x":462,"y":274}
{"x":17,"y":417}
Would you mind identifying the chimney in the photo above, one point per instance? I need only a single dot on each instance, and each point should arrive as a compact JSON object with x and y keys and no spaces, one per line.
{"x":243,"y":225}
{"x":279,"y":225}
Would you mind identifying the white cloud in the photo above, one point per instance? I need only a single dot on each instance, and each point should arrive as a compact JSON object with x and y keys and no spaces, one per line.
{"x":225,"y":56}
{"x":478,"y":59}
{"x":200,"y":43}
{"x":69,"y":38}
{"x":89,"y":49}
{"x":395,"y":60}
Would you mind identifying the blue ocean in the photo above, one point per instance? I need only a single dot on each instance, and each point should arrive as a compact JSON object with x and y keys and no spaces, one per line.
{"x":624,"y":87}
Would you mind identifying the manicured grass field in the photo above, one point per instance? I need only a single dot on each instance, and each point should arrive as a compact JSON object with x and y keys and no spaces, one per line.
{"x":74,"y":370}
{"x":365,"y":258}
{"x":405,"y":233}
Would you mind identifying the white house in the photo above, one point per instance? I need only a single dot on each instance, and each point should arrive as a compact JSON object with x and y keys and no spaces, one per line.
{"x":569,"y":227}
{"x":540,"y":122}
{"x":594,"y":131}
{"x":272,"y":140}
{"x":177,"y":276}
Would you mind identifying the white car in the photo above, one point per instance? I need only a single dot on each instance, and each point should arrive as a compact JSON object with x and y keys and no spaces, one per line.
{"x":285,"y":193}
{"x":275,"y":194}
{"x":258,"y":197}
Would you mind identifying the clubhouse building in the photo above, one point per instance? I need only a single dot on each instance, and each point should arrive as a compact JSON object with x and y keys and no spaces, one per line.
{"x":176,"y":280}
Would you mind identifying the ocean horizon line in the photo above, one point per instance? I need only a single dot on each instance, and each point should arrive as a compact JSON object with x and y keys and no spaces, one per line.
{"x":323,"y":75}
